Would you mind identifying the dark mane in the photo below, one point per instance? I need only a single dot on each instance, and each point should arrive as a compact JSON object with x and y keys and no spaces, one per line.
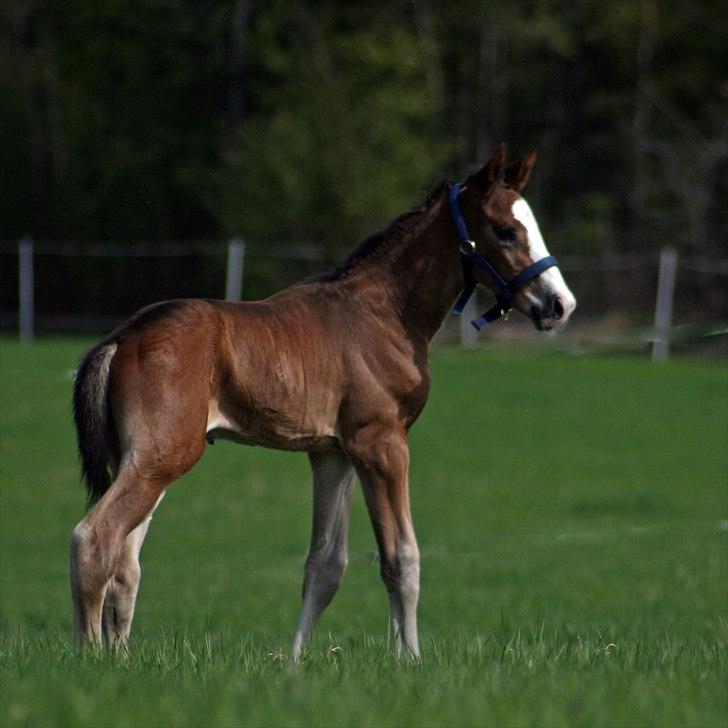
{"x":376,"y":243}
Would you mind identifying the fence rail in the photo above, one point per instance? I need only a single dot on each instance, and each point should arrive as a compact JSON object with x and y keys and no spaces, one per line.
{"x":663,"y":268}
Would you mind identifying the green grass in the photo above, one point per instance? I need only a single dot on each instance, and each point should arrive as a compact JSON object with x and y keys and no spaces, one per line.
{"x":572,"y":517}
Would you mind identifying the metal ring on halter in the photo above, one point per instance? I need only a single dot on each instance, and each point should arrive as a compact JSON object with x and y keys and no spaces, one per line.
{"x":467,"y":247}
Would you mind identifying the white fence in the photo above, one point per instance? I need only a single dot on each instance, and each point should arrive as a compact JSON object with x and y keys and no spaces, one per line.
{"x":642,"y":268}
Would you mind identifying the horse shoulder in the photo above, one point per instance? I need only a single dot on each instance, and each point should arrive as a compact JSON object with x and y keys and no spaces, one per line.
{"x":388,"y":382}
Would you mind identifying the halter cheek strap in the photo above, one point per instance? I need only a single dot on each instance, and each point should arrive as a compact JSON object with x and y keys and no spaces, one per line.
{"x":470,"y":258}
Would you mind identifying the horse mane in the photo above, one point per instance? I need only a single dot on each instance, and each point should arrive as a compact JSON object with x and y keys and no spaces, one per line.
{"x":379,"y":242}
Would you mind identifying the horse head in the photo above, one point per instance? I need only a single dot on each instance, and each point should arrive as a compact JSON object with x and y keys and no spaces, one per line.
{"x":506,"y":234}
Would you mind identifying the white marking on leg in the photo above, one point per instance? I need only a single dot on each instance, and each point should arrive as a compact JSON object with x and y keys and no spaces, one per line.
{"x":404,"y":594}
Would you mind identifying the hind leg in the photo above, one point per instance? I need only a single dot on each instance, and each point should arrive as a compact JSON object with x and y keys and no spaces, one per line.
{"x":98,"y":541}
{"x":121,"y":592}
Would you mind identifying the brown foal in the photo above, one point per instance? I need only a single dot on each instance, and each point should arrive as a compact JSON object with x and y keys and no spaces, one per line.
{"x":336,"y":367}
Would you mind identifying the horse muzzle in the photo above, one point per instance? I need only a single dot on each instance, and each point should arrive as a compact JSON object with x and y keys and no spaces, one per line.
{"x":553,"y":311}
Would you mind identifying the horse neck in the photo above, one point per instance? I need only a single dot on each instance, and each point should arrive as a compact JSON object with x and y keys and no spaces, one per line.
{"x":425,"y":272}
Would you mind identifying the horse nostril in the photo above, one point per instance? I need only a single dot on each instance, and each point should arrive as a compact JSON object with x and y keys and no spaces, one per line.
{"x":558,"y":308}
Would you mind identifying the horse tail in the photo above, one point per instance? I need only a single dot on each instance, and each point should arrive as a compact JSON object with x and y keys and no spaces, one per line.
{"x":91,"y":415}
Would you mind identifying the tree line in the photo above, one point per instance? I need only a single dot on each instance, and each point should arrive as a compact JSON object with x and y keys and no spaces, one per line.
{"x":317,"y":121}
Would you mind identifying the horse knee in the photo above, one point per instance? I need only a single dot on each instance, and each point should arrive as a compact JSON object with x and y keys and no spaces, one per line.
{"x":335,"y":568}
{"x":324,"y":572}
{"x":400,"y":570}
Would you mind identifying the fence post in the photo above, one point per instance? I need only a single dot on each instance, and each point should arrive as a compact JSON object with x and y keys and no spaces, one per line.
{"x":234,"y":281}
{"x":468,"y":333}
{"x":663,"y":306}
{"x":25,"y":289}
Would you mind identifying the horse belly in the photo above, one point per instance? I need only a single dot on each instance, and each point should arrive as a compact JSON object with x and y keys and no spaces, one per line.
{"x":279,"y":385}
{"x":272,"y":428}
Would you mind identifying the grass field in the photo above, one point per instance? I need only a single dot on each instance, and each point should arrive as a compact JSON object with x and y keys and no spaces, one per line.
{"x":572,"y":517}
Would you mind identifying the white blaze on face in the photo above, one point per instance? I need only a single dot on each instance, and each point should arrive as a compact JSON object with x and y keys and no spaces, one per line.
{"x":551,"y":278}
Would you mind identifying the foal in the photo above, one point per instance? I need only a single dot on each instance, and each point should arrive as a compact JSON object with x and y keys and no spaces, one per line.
{"x":335,"y":367}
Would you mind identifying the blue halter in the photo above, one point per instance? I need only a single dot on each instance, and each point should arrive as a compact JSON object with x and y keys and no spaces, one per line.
{"x":471,"y":257}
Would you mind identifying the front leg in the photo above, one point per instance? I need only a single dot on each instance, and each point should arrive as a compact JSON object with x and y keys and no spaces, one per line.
{"x":333,"y":477}
{"x":381,"y":458}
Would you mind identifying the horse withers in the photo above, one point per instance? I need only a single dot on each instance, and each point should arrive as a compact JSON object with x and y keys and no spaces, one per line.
{"x":335,"y":367}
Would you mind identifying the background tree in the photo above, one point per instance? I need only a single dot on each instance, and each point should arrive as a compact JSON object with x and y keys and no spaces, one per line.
{"x":316,"y":122}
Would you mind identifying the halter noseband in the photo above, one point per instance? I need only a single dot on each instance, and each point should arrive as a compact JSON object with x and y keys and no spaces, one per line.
{"x":470,"y":257}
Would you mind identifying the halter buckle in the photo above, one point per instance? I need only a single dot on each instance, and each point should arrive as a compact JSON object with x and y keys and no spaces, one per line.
{"x":467,"y":247}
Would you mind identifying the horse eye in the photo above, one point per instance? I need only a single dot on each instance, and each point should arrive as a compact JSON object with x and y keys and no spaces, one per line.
{"x":504,"y":232}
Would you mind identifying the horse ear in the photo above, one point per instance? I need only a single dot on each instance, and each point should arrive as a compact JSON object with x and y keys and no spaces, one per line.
{"x":491,"y":172}
{"x":518,"y":172}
